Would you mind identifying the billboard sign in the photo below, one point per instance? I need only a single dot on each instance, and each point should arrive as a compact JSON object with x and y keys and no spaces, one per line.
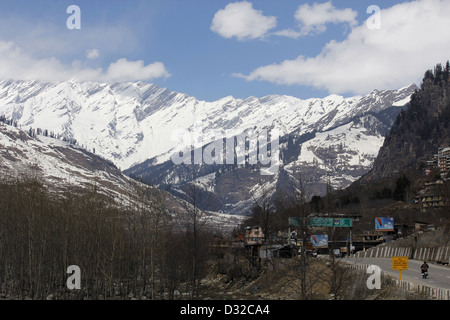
{"x":319,"y":240}
{"x":384,"y":224}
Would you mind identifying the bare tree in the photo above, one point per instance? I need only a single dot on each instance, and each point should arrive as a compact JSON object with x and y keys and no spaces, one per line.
{"x":195,"y":230}
{"x":263,"y":210}
{"x":303,"y":234}
{"x":307,"y":272}
{"x":338,"y":272}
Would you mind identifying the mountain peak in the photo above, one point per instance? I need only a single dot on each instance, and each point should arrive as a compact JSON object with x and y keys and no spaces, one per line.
{"x":134,"y":125}
{"x":133,"y":121}
{"x":418,"y":131}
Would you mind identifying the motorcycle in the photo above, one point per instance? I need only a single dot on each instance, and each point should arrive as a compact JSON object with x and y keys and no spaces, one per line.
{"x":424,"y":274}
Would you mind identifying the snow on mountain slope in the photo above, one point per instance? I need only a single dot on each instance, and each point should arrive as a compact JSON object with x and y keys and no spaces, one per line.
{"x":57,"y":163}
{"x":360,"y":148}
{"x":340,"y":153}
{"x":332,"y":140}
{"x":129,"y":123}
{"x":135,"y":124}
{"x":61,"y":167}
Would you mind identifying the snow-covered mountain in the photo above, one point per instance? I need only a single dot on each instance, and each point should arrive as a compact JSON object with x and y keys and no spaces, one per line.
{"x":135,"y":125}
{"x":57,"y":164}
{"x":63,"y":167}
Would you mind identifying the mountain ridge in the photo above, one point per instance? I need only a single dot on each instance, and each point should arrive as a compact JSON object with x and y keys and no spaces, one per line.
{"x":31,"y":102}
{"x":418,"y":131}
{"x":133,"y":125}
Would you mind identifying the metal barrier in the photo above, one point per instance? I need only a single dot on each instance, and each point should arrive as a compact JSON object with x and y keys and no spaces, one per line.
{"x":438,"y":254}
{"x":431,"y":292}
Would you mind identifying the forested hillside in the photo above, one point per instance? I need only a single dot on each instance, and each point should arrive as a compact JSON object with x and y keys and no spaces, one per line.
{"x":133,"y":251}
{"x":419,"y":130}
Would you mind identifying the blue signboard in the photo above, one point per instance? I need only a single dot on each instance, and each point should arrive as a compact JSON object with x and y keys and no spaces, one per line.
{"x":319,"y":240}
{"x":384,"y":224}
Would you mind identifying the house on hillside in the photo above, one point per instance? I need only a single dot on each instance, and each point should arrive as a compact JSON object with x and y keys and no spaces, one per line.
{"x":254,"y":236}
{"x":238,"y":238}
{"x":421,"y":226}
{"x":431,"y":196}
{"x":444,"y":161}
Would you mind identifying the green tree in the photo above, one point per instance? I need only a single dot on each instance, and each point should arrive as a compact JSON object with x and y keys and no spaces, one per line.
{"x":317,"y":204}
{"x":402,"y":186}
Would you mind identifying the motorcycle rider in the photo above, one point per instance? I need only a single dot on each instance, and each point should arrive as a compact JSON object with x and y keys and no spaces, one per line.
{"x":424,"y":269}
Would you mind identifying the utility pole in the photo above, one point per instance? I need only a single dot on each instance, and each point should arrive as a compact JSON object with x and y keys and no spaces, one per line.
{"x":350,"y":249}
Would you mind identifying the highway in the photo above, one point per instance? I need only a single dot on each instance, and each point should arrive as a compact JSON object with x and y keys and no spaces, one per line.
{"x":439,"y":276}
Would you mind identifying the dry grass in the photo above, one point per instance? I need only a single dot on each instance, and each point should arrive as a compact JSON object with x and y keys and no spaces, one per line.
{"x":280,"y":280}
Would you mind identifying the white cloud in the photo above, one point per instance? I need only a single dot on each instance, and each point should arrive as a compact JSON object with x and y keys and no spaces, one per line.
{"x":240,"y":20}
{"x":290,"y":33}
{"x":43,"y":38}
{"x":313,"y":19}
{"x":124,"y":70}
{"x":17,"y":64}
{"x":413,"y":38}
{"x":92,"y":54}
{"x":34,"y":49}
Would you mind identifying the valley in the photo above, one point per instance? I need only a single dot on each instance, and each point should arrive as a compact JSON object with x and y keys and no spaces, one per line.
{"x":108,"y":151}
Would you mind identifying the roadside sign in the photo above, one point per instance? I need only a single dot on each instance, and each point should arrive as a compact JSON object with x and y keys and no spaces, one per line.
{"x":400,"y":264}
{"x":330,"y":222}
{"x":321,"y":222}
{"x":384,"y":223}
{"x":295,"y":221}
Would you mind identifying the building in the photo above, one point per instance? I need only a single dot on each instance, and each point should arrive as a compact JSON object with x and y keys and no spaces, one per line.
{"x":254,"y":236}
{"x":238,"y":236}
{"x":444,"y":160}
{"x":431,"y":196}
{"x":433,"y":201}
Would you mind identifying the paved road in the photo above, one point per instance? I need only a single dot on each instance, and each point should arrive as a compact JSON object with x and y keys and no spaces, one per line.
{"x":439,"y":276}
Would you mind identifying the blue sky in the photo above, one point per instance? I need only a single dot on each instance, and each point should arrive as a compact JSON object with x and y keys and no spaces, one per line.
{"x":213,"y":48}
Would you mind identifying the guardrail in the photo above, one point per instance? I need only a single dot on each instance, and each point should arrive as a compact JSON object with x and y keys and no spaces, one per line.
{"x":427,"y":291}
{"x":439,"y":254}
{"x":384,"y":252}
